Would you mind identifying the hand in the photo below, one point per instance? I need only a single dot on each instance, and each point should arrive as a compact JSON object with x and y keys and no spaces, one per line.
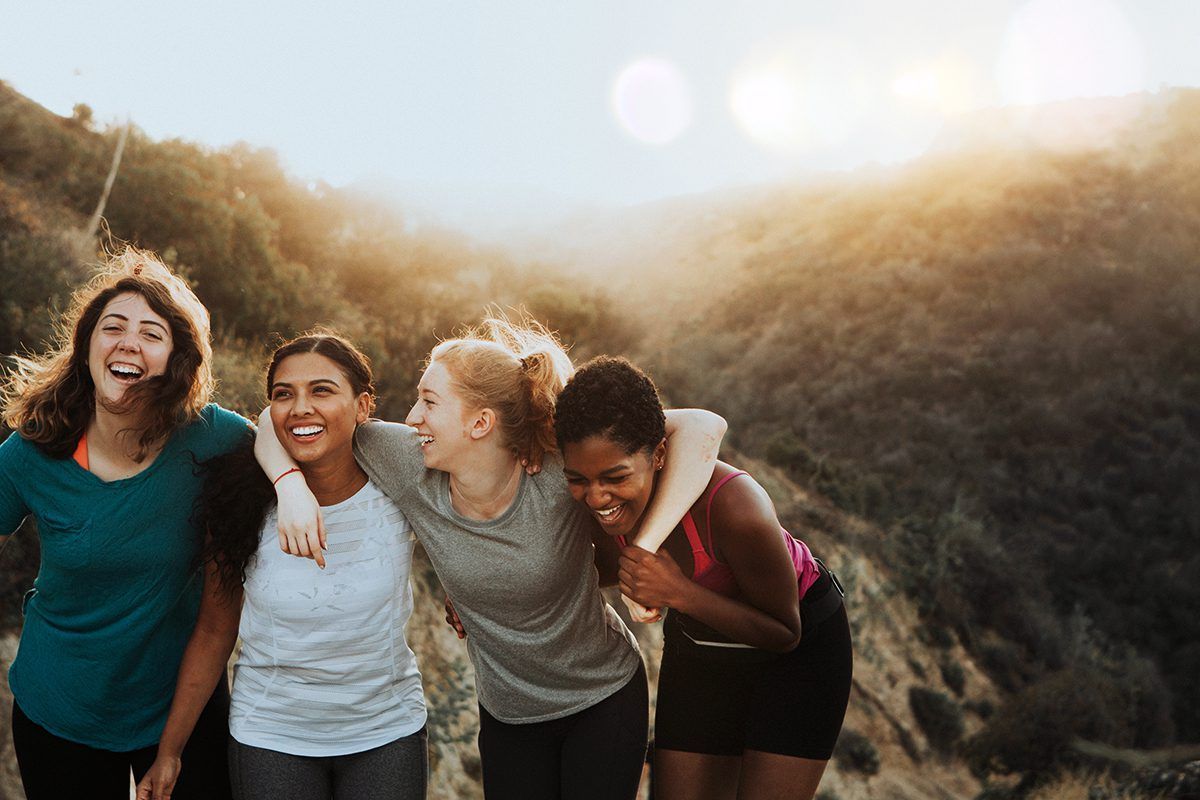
{"x":639,"y":613}
{"x":452,"y":619}
{"x":301,"y":527}
{"x":652,"y":579}
{"x":159,"y":781}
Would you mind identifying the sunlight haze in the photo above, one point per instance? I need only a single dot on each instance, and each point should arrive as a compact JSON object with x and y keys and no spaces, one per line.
{"x":560,"y":106}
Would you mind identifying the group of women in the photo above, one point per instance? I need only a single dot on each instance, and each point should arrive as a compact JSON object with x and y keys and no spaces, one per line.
{"x":169,"y":529}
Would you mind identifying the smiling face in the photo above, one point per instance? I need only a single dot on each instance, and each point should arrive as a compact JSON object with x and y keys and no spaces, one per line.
{"x":314,"y":409}
{"x":441,"y":419}
{"x":129,"y":344}
{"x":614,"y":485}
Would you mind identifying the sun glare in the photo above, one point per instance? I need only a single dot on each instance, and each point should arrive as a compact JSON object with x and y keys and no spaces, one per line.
{"x":807,"y":95}
{"x":651,"y":101}
{"x":1059,"y":49}
{"x":945,"y":86}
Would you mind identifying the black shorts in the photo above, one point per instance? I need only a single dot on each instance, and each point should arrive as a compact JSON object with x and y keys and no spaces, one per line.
{"x":791,"y":705}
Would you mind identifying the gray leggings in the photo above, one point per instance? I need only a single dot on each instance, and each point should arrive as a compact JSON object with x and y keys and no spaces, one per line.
{"x":396,"y":771}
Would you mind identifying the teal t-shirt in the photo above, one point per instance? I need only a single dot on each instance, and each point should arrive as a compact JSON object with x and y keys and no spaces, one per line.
{"x":116,"y":597}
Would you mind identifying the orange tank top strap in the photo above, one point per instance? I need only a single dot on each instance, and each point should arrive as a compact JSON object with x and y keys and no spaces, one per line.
{"x":81,"y":452}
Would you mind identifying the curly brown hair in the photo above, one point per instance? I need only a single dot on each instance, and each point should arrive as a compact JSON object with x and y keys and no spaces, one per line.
{"x":51,"y":398}
{"x":610,"y":397}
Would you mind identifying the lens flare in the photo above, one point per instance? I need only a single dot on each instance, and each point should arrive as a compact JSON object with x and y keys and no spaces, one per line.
{"x":652,"y":101}
{"x":945,"y":86}
{"x":810,"y":93}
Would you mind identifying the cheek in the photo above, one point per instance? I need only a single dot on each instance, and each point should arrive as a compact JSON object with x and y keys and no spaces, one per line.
{"x":162,"y":358}
{"x":279,"y":415}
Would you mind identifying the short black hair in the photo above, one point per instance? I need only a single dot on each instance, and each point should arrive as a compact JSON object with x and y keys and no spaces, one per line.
{"x":609,"y":396}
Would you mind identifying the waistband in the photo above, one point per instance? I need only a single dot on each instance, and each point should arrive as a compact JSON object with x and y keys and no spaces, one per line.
{"x":823,"y":598}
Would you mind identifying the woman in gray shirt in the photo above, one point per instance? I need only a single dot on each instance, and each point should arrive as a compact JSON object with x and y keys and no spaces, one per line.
{"x":562,"y":691}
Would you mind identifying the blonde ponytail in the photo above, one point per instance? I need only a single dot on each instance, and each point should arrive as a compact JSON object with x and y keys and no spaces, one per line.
{"x":514,"y":368}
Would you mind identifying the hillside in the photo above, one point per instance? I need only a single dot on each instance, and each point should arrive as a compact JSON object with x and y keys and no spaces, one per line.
{"x":972,"y":378}
{"x":991,"y":353}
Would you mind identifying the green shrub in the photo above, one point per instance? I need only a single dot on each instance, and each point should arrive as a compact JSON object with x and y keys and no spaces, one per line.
{"x":1032,"y":731}
{"x":954,"y":676}
{"x":939,"y":717}
{"x":855,"y":753}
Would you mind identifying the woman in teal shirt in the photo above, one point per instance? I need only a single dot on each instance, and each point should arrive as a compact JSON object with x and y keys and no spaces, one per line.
{"x":108,"y":429}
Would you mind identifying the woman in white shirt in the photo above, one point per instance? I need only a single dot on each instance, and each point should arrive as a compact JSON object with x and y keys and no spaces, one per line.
{"x":327,"y":700}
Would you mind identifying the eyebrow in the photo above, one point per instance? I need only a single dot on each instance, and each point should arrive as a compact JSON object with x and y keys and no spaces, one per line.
{"x":316,"y":382}
{"x":429,"y":391}
{"x":607,"y":472}
{"x":124,"y":318}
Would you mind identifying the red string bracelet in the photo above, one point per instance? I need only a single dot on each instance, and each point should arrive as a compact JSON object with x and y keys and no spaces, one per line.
{"x":284,"y":475}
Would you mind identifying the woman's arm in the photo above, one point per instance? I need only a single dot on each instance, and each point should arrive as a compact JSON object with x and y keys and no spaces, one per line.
{"x":301,"y":527}
{"x":694,"y":440}
{"x":204,"y":661}
{"x":767,"y":614}
{"x":13,"y":509}
{"x":695,"y":436}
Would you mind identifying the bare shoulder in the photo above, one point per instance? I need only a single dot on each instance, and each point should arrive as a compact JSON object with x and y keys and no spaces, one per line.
{"x":740,"y":507}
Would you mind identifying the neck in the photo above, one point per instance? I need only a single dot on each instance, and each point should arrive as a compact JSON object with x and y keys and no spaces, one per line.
{"x":334,"y":480}
{"x":113,"y":434}
{"x":485,"y":489}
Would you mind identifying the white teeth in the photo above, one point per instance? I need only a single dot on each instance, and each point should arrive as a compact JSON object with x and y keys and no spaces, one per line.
{"x":425,"y":439}
{"x":307,"y":430}
{"x":604,"y":512}
{"x":125,"y":369}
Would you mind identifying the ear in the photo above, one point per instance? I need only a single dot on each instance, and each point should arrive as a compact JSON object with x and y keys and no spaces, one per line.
{"x":660,"y":455}
{"x":362,"y":408}
{"x":483,"y":423}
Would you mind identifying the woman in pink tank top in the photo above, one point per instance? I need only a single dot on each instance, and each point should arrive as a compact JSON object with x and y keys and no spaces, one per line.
{"x":757,"y":658}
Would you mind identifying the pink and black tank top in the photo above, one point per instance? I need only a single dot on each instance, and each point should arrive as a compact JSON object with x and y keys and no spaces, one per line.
{"x":716,"y":575}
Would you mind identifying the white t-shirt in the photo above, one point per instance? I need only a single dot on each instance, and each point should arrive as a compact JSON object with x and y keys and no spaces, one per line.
{"x":325,"y":669}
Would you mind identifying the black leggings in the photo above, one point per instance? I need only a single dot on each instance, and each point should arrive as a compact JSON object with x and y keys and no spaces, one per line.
{"x":594,"y":754}
{"x":395,"y":771}
{"x":53,"y":768}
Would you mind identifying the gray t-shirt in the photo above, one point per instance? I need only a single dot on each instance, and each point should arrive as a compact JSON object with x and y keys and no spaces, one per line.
{"x":543,"y":641}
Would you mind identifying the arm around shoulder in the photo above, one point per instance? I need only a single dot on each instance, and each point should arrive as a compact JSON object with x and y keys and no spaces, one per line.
{"x":693,"y":443}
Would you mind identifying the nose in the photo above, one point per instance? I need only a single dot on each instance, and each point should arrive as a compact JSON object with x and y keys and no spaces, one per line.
{"x":597,"y":496}
{"x":129,"y":342}
{"x":301,"y":405}
{"x":414,"y":417}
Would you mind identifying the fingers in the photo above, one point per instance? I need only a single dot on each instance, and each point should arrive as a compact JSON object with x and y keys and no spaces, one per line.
{"x":321,"y":532}
{"x":452,"y":619}
{"x":654,"y":615}
{"x":316,"y":543}
{"x":636,"y":555}
{"x":638,"y":612}
{"x":149,"y":789}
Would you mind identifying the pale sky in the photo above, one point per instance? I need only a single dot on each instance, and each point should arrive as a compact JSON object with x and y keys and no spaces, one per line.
{"x":581,"y":103}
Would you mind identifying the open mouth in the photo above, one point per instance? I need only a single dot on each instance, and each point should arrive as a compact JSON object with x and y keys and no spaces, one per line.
{"x":610,"y":516}
{"x":425,"y":439}
{"x":306,"y":433}
{"x":125,"y":373}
